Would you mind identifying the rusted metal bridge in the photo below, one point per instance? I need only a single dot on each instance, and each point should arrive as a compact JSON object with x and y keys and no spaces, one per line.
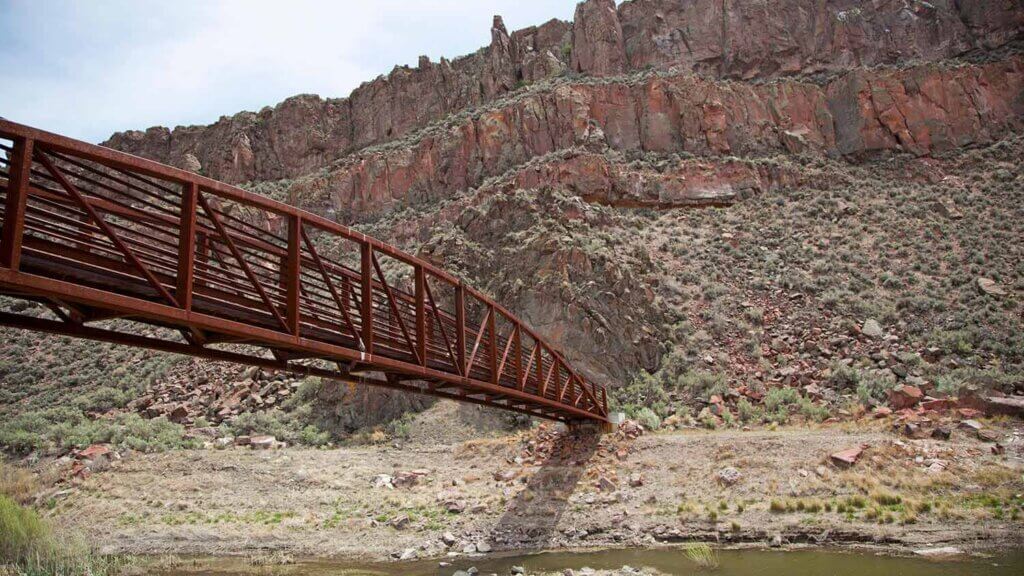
{"x":96,"y":235}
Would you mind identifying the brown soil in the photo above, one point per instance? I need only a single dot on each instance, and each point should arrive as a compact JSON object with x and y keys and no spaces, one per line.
{"x":323,"y":503}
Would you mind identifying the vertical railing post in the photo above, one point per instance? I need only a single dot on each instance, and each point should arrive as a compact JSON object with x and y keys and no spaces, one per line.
{"x":186,"y":245}
{"x":604,"y":401}
{"x":293,"y":272}
{"x":366,"y":295}
{"x":460,"y":327}
{"x":421,"y":314}
{"x":518,"y":358}
{"x":14,"y":205}
{"x":541,"y":388}
{"x":492,"y":343}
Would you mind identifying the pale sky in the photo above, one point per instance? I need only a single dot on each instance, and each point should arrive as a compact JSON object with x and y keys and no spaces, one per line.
{"x":89,"y":68}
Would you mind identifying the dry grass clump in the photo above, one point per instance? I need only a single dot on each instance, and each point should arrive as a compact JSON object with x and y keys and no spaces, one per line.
{"x":702,"y":555}
{"x":17,"y":483}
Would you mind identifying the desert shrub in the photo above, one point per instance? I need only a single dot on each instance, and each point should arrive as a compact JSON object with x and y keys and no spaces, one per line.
{"x":648,"y":419}
{"x":872,"y":388}
{"x":749,"y":413}
{"x":843,"y":378}
{"x":400,"y":427}
{"x":780,"y":398}
{"x":65,"y":428}
{"x":701,"y":384}
{"x":643,"y":391}
{"x":103,"y":399}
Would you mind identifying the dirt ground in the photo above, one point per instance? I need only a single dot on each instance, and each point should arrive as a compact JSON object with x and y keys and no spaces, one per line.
{"x":546,"y":489}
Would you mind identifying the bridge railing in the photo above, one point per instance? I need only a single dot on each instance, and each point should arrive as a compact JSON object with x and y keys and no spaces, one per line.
{"x":224,"y":261}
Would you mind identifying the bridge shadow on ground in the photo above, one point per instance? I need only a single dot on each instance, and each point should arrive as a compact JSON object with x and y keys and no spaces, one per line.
{"x":532,"y":516}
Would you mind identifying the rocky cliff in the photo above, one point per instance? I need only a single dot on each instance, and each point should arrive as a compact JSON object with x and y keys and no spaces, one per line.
{"x":731,"y":39}
{"x":491,"y":164}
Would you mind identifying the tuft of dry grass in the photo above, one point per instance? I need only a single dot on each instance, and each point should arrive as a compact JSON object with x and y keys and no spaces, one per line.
{"x":703,"y":555}
{"x":17,"y":483}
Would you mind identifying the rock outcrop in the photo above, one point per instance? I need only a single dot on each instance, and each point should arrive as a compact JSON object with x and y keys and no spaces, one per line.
{"x":923,"y":109}
{"x":707,"y":37}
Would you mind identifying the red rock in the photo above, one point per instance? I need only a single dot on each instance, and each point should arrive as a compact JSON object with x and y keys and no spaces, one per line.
{"x":178,"y":413}
{"x":905,"y":396}
{"x":598,"y":45}
{"x":969,"y":413}
{"x":94,"y":451}
{"x":881,"y":412}
{"x":992,"y":405}
{"x":848,"y":457}
{"x":921,"y":109}
{"x":939,"y":405}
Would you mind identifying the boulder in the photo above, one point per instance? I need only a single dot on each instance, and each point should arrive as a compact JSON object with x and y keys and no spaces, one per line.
{"x":905,"y":396}
{"x":847,"y":457}
{"x":728,"y":476}
{"x":990,"y":287}
{"x":606,"y":485}
{"x":872,"y":329}
{"x":262,"y":442}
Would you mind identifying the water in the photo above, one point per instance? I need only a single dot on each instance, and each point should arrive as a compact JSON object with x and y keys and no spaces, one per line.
{"x":670,"y":561}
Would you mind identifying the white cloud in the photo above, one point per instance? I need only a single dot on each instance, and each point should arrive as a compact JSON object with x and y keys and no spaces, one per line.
{"x":87,"y":69}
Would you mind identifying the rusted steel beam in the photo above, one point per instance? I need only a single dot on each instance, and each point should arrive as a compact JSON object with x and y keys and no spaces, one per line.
{"x":460,"y":328}
{"x":479,"y":337}
{"x":421,"y":313}
{"x":293,"y":274}
{"x":518,"y":358}
{"x":187,"y":245}
{"x":146,"y":309}
{"x":366,"y":295}
{"x":492,"y":344}
{"x":14,"y":203}
{"x":444,"y":333}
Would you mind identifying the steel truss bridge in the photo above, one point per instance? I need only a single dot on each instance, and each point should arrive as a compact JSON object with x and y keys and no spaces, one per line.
{"x":95,"y":235}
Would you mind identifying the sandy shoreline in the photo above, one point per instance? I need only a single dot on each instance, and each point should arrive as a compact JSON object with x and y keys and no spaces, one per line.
{"x":508,"y":494}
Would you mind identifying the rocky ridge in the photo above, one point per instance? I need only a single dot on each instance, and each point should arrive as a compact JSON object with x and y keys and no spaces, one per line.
{"x":306,"y":133}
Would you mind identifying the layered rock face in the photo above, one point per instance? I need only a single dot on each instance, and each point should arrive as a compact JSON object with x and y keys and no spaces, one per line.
{"x":920,"y":110}
{"x":745,"y":39}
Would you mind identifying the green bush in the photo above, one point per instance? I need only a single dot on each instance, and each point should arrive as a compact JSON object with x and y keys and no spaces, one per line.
{"x":749,"y":413}
{"x":873,"y":389}
{"x":648,"y":419}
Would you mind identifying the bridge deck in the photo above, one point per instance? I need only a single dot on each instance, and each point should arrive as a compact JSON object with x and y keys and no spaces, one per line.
{"x":96,"y":234}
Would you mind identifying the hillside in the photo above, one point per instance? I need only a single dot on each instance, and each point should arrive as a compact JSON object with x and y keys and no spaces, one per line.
{"x":731,"y":213}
